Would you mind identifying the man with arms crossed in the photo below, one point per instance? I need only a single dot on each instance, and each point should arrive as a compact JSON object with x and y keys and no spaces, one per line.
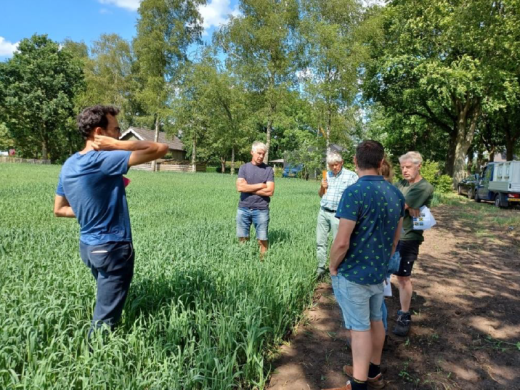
{"x":417,"y":192}
{"x":331,"y":189}
{"x":371,"y":214}
{"x":91,"y":189}
{"x":256,"y":186}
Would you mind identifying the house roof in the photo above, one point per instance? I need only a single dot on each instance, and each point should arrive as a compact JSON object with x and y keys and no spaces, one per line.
{"x":172,"y":141}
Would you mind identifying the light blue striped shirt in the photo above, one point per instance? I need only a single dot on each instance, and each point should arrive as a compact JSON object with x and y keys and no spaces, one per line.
{"x":336,"y":185}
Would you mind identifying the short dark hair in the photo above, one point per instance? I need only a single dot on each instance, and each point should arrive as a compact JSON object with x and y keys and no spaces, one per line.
{"x":95,"y":116}
{"x":369,"y":154}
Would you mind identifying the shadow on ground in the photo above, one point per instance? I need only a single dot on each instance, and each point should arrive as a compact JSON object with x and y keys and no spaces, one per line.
{"x":466,"y":322}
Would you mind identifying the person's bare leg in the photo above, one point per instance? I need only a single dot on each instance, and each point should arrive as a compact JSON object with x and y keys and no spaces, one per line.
{"x":405,"y":292}
{"x":243,"y":239}
{"x":378,"y":339}
{"x":264,"y":245}
{"x":361,"y":353}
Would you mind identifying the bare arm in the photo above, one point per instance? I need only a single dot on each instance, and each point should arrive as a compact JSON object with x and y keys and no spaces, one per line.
{"x":62,"y":207}
{"x":414,"y":213}
{"x":397,"y":235}
{"x":142,"y":151}
{"x":267,"y":191}
{"x":341,"y":244}
{"x":242,"y":186}
{"x":323,"y":188}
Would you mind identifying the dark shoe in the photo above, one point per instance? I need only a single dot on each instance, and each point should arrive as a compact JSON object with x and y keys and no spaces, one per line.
{"x":374,"y":383}
{"x":403,"y":324}
{"x":348,"y":386}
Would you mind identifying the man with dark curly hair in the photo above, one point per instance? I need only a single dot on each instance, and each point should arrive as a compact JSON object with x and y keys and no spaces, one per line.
{"x":91,"y":189}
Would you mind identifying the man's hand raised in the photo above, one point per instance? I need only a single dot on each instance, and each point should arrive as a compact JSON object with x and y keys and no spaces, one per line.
{"x":102,"y":142}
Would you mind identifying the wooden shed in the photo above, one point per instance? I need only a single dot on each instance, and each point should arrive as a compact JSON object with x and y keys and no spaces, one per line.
{"x":177,"y":150}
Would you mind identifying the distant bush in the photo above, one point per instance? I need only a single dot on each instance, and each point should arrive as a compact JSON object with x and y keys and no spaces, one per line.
{"x":444,"y":184}
{"x":431,"y":172}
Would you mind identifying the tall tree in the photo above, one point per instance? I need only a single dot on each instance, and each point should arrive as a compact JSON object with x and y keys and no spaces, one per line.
{"x":108,"y":73}
{"x":40,"y":82}
{"x":165,"y":30}
{"x":438,"y":62}
{"x":332,"y":59}
{"x":262,"y":47}
{"x":211,"y":109}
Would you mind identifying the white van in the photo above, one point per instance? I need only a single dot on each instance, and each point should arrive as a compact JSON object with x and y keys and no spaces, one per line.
{"x":500,"y":182}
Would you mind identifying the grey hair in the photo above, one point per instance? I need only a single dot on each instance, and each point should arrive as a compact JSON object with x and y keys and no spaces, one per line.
{"x":334,"y":157}
{"x":414,"y":157}
{"x":258,"y":145}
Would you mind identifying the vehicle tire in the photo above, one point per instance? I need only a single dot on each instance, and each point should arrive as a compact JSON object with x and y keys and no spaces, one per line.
{"x":459,"y":192}
{"x":470,"y":194}
{"x":477,"y":198}
{"x":501,"y":203}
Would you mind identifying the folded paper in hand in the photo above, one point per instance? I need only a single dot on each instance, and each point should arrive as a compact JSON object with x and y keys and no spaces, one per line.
{"x":425,"y":220}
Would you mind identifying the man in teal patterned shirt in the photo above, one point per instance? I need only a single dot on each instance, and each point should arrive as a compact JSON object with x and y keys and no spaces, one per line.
{"x":371,"y":215}
{"x":331,"y":189}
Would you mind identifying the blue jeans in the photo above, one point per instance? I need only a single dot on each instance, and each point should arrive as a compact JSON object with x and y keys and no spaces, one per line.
{"x":259,"y":218}
{"x":360,"y":304}
{"x":112,"y":265}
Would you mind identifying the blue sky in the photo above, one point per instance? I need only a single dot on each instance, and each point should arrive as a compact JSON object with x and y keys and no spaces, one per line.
{"x":85,"y":20}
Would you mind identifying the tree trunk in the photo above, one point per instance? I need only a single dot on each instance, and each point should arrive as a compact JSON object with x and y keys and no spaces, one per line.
{"x":510,"y":144}
{"x":491,"y":153}
{"x":268,"y":139}
{"x":156,"y":139}
{"x":45,"y":150}
{"x":450,"y":158}
{"x":480,"y":160}
{"x":223,"y":164}
{"x":470,"y":159}
{"x":194,"y":154}
{"x":233,"y":160}
{"x":467,"y":122}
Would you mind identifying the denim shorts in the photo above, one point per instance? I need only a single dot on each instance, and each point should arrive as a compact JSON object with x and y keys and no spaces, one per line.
{"x":360,"y":304}
{"x":259,"y":218}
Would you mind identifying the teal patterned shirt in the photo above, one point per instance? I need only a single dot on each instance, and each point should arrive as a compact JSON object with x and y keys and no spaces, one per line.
{"x":376,"y":206}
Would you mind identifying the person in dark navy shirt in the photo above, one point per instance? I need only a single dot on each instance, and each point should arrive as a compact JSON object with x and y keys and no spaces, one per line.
{"x":371,"y":214}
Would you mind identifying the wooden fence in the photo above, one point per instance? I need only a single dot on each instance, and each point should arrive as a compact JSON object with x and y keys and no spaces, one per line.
{"x":17,"y":160}
{"x":164,"y":167}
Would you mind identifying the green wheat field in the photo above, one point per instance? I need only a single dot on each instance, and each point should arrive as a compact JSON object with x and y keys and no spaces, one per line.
{"x":203,"y":311}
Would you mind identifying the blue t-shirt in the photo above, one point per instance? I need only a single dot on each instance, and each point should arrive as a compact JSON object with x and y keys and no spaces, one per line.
{"x":376,"y":206}
{"x":93,"y":185}
{"x":255,"y":174}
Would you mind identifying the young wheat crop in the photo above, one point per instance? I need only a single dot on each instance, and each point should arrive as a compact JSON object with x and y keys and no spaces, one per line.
{"x":203,"y":311}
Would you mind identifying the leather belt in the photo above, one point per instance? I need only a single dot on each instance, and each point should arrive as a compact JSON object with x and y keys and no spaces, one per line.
{"x":328,"y":210}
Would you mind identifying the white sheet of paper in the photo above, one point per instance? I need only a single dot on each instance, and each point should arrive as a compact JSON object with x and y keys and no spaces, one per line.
{"x":388,"y":288}
{"x":425,"y":220}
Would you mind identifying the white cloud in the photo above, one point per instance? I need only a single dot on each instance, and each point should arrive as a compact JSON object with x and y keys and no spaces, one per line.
{"x":131,"y":5}
{"x":216,"y":13}
{"x":7,"y":48}
{"x":369,"y":3}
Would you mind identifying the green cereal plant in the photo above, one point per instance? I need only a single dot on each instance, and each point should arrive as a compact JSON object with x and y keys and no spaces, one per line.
{"x":203,"y":312}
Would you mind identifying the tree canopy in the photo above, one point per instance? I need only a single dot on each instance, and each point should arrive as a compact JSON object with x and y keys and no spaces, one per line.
{"x":440,"y":77}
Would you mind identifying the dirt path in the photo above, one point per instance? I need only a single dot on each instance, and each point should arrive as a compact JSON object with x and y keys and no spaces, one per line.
{"x":466,"y":322}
